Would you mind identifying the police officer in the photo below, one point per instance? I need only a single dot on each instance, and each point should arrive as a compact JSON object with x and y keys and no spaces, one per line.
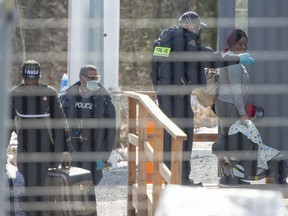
{"x":91,"y":119}
{"x":42,"y":130}
{"x":178,"y":64}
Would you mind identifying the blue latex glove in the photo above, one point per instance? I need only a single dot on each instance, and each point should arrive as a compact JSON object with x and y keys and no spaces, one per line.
{"x":77,"y":132}
{"x":246,"y":59}
{"x":100,"y":165}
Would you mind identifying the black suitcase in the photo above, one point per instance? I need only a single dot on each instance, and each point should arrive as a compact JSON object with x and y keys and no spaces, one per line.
{"x":71,"y":192}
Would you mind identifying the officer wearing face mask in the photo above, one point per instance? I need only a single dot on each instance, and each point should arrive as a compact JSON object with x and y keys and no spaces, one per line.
{"x":91,"y":118}
{"x":177,"y":66}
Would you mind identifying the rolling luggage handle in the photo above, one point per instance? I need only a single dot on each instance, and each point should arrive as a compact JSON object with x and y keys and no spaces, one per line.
{"x":64,"y":165}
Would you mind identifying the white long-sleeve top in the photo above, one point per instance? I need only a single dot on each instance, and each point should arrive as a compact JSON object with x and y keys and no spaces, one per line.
{"x":233,"y":89}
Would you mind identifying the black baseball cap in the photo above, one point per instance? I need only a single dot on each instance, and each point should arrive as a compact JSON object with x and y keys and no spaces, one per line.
{"x":31,"y":69}
{"x":191,"y":18}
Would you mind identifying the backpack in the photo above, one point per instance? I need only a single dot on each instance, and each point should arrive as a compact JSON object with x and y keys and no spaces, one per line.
{"x":206,"y":96}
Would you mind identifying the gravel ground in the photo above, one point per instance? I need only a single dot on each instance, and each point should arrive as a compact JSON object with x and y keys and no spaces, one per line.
{"x":112,"y":191}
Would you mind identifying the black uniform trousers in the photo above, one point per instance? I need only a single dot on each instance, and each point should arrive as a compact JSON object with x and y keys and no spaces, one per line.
{"x":178,"y":108}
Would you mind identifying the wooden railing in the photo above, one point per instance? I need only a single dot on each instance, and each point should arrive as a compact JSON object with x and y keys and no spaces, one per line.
{"x":139,"y":199}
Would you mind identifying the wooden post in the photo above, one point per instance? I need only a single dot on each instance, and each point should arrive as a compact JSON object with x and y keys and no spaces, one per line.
{"x":131,"y":156}
{"x":176,"y":161}
{"x":142,"y":176}
{"x":157,"y":157}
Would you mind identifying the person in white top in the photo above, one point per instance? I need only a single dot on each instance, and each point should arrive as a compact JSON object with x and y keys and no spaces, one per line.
{"x":232,"y":97}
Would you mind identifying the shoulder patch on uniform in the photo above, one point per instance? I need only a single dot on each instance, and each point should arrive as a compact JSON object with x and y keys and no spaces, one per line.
{"x":192,"y":43}
{"x":162,"y":51}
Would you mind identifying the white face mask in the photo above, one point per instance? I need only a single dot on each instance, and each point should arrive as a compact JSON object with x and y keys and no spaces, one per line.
{"x":92,"y":85}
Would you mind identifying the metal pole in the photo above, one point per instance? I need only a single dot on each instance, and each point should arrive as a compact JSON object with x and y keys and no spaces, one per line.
{"x":6,"y":18}
{"x":111,"y":43}
{"x":111,"y":56}
{"x":78,"y":35}
{"x":96,"y":36}
{"x":85,"y":36}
